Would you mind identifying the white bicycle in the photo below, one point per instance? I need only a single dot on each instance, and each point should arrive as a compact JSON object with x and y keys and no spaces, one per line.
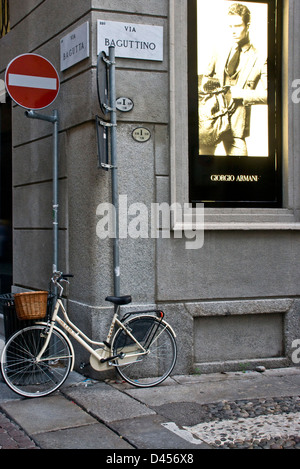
{"x":37,"y":359}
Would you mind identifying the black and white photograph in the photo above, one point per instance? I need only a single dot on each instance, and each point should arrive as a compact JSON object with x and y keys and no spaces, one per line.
{"x":233,"y":78}
{"x":234,"y":97}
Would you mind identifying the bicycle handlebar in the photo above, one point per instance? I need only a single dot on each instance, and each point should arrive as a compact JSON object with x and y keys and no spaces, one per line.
{"x":58,"y":277}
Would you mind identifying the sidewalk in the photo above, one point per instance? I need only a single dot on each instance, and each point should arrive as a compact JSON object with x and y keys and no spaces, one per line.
{"x":86,"y":414}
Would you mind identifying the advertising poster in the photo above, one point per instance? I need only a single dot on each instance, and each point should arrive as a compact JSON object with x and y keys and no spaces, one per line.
{"x":234,"y":103}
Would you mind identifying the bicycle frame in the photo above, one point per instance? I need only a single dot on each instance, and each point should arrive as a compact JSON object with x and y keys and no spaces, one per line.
{"x":80,"y":337}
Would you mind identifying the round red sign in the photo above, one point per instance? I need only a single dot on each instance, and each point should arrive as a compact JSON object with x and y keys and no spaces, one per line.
{"x":32,"y":81}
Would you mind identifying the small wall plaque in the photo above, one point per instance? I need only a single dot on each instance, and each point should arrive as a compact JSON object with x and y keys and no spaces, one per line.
{"x":124,"y":104}
{"x":141,"y":134}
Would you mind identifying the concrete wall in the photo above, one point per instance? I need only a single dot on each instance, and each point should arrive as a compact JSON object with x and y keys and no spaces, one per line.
{"x":234,"y":302}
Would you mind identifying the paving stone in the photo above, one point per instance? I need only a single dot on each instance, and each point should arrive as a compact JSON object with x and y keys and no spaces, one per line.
{"x":106,"y":403}
{"x":148,"y":432}
{"x":87,"y":437}
{"x":47,"y":414}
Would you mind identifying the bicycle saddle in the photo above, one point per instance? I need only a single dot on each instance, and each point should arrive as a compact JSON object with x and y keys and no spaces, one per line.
{"x":119,"y":300}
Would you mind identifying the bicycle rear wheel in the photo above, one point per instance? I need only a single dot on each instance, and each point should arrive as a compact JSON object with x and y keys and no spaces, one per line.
{"x":155,"y":365}
{"x":20,"y":369}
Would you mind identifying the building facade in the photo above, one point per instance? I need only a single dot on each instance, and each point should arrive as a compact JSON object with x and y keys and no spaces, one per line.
{"x":230,"y":288}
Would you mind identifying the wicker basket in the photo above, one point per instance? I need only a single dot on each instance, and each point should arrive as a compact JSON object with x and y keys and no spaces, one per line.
{"x":31,"y":305}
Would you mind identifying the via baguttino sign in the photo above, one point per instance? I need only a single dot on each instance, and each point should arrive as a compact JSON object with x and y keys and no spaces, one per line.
{"x":131,"y":41}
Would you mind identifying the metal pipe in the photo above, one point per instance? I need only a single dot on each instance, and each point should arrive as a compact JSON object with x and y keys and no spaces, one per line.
{"x":115,"y":190}
{"x":34,"y":115}
{"x":55,"y":192}
{"x":54,"y":119}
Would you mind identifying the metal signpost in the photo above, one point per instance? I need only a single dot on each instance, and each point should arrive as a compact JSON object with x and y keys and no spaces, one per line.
{"x":33,"y":83}
{"x":106,"y":83}
{"x":55,"y":121}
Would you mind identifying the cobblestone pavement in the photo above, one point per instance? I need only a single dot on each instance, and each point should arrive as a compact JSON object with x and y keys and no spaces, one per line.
{"x":272,"y":423}
{"x":12,"y":436}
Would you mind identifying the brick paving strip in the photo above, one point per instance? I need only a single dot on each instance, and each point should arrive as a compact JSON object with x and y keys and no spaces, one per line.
{"x":12,"y":437}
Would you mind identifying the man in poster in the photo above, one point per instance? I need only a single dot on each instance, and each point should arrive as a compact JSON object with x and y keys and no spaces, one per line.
{"x":242,"y":74}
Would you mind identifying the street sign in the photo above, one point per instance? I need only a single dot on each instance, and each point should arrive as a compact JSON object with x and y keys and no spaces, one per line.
{"x":102,"y":141}
{"x":32,"y":81}
{"x":75,"y":46}
{"x":102,"y":82}
{"x":131,"y":41}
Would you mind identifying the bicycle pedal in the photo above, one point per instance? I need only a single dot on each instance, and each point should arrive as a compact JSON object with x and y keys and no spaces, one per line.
{"x":119,"y":355}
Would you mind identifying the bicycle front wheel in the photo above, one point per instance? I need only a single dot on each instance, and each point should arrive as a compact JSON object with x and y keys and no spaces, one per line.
{"x":151,"y":366}
{"x":27,"y":376}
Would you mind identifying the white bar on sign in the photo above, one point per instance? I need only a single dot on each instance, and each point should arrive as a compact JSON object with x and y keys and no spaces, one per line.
{"x":29,"y":81}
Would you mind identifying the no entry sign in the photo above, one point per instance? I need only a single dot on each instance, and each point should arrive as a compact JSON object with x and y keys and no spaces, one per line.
{"x":32,"y":81}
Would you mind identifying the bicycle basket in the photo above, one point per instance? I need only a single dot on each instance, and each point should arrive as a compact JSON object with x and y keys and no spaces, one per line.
{"x":31,"y":305}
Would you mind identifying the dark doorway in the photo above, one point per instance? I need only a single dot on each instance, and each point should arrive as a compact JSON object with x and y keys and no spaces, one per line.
{"x":5,"y":197}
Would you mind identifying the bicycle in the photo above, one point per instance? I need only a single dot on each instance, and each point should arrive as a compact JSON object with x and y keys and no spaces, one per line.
{"x":37,"y":360}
